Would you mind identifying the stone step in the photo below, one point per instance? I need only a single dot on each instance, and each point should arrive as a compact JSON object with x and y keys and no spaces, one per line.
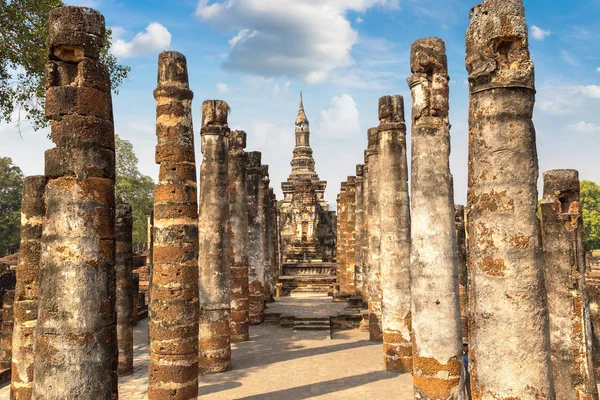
{"x":311,"y":328}
{"x":312,"y":322}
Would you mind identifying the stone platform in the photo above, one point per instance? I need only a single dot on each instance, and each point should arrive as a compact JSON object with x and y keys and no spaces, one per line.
{"x":307,"y":278}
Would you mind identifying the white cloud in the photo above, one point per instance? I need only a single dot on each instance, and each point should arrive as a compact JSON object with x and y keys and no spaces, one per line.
{"x":569,"y":58}
{"x":591,"y":91}
{"x":538,"y":33}
{"x":585,"y":127}
{"x":304,"y":39}
{"x":359,"y":20}
{"x":155,"y":38}
{"x":598,"y":69}
{"x":222,"y":88}
{"x":342,"y":120}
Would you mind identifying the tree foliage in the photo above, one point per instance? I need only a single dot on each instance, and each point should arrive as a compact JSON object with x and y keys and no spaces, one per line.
{"x":134,"y":188}
{"x":23,"y":32}
{"x":590,"y":205}
{"x":11,"y":187}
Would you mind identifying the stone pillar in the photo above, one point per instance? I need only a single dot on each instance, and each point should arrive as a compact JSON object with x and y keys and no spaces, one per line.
{"x":359,"y":231}
{"x":256,"y":271}
{"x":75,"y":336}
{"x":135,"y":282}
{"x":173,"y":296}
{"x":374,"y":221}
{"x":26,"y":291}
{"x":365,"y":240}
{"x":124,"y":301}
{"x":266,"y":245}
{"x":342,"y":277}
{"x":395,"y":235}
{"x":215,"y":281}
{"x":436,"y":324}
{"x":6,"y":341}
{"x":509,"y":303}
{"x":350,"y":235}
{"x":238,"y":236}
{"x":461,"y":259}
{"x":568,"y":302}
{"x":150,"y":222}
{"x":274,"y":232}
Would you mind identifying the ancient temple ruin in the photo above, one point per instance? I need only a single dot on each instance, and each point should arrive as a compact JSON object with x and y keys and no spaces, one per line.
{"x":307,"y":225}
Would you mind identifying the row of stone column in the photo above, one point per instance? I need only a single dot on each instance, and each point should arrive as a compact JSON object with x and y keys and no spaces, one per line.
{"x":215,"y":260}
{"x":514,"y":302}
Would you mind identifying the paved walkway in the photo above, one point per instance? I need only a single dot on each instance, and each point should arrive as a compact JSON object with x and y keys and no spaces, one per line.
{"x":279,"y":364}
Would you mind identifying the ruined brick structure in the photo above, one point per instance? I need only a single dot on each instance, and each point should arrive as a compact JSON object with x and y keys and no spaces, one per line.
{"x":374,"y":238}
{"x":75,"y":347}
{"x":124,"y":294}
{"x":215,"y":289}
{"x":568,"y":303}
{"x":350,"y":236}
{"x":437,"y":333}
{"x":504,"y":256}
{"x":173,"y":303}
{"x":238,"y":236}
{"x":395,"y":236}
{"x":307,"y":226}
{"x":26,"y":291}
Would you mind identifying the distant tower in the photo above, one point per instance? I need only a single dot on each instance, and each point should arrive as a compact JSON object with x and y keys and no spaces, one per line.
{"x":307,"y":231}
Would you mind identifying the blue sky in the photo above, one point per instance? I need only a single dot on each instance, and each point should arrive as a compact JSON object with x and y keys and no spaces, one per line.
{"x":344,"y":54}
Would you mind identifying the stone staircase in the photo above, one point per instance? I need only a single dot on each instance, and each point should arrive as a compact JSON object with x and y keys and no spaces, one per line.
{"x":312,"y":325}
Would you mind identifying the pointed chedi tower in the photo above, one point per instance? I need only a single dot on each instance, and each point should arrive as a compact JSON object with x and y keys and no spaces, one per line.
{"x":307,"y":226}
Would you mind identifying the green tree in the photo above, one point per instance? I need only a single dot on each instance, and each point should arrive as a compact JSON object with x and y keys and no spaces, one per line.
{"x":23,"y":32}
{"x":134,"y":188}
{"x":590,"y":205}
{"x":11,"y":188}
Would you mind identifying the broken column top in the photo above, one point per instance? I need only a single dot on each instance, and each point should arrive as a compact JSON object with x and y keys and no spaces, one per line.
{"x":391,"y":109}
{"x":172,"y":69}
{"x":562,"y":184}
{"x":254,"y":160}
{"x":360,"y":170}
{"x":498,"y":46}
{"x":237,"y":140}
{"x":428,"y":55}
{"x":351,"y":181}
{"x":373,"y":136}
{"x":214,"y":113}
{"x":75,"y":33}
{"x":265,"y":170}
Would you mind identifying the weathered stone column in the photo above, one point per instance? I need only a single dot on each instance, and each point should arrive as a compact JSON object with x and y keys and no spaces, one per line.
{"x":374,"y":221}
{"x":342,"y":217}
{"x":215,"y":280}
{"x":350,"y":235}
{"x":76,"y":333}
{"x":395,"y":235}
{"x":6,"y":341}
{"x":124,"y":300}
{"x":509,"y":303}
{"x":568,"y":302}
{"x":256,"y":271}
{"x":26,"y":291}
{"x":365,"y":240}
{"x":461,"y":258}
{"x":359,"y":231}
{"x":436,"y":323}
{"x":238,"y":236}
{"x":274,"y":232}
{"x":173,"y":295}
{"x":267,"y":244}
{"x":135,"y":282}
